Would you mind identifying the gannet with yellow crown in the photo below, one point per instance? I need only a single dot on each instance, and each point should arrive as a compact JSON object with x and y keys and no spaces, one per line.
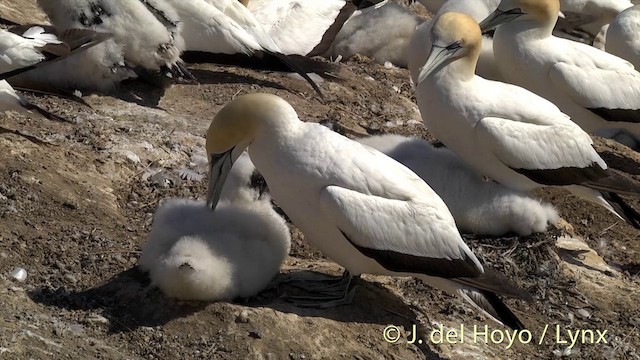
{"x":361,"y":208}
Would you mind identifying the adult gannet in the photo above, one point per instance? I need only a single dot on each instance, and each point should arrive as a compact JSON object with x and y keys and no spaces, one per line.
{"x":306,"y":27}
{"x":623,"y":36}
{"x":195,"y":254}
{"x":506,"y":132}
{"x":593,"y":14}
{"x":148,"y":31}
{"x":478,"y":206}
{"x":599,"y":91}
{"x":361,"y":208}
{"x":421,"y":41}
{"x":26,"y":47}
{"x":228,"y":27}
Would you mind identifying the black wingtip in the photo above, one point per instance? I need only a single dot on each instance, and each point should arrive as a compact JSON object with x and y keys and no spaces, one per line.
{"x":504,"y":314}
{"x":629,"y":214}
{"x":48,"y":115}
{"x":293,"y":66}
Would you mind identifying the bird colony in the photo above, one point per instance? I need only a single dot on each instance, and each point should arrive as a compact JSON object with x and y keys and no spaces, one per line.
{"x":513,"y":91}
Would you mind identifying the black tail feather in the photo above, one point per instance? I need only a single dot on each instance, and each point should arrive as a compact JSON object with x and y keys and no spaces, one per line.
{"x":290,"y":62}
{"x":629,"y":214}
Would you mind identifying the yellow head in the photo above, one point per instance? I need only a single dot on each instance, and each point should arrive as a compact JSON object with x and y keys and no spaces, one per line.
{"x":234,"y":128}
{"x":453,"y":36}
{"x":544,"y":12}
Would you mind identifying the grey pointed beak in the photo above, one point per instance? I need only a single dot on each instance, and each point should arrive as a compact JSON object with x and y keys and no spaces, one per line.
{"x":499,"y":17}
{"x":219,"y":168}
{"x":437,"y":57}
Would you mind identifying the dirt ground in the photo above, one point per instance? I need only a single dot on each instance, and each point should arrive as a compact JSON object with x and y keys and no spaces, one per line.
{"x":76,"y":204}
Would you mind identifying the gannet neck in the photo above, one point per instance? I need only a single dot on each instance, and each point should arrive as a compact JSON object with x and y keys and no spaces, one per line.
{"x":527,"y":29}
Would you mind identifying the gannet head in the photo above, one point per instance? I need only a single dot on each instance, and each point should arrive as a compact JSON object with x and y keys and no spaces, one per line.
{"x":540,"y":11}
{"x":453,"y":36}
{"x":232,"y":130}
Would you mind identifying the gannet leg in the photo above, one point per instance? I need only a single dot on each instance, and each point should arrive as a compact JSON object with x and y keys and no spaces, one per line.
{"x":332,"y":296}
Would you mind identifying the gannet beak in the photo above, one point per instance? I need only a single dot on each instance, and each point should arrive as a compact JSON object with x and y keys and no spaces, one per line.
{"x":219,"y":167}
{"x":437,"y":56}
{"x":499,"y":17}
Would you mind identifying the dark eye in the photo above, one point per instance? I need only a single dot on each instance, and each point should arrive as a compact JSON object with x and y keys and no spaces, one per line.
{"x":455,"y":45}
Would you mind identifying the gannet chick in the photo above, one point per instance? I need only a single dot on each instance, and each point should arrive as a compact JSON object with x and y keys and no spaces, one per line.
{"x":244,"y":183}
{"x":421,"y":41}
{"x":599,"y":91}
{"x":365,"y":211}
{"x":478,"y":206}
{"x":381,"y":35}
{"x":506,"y":132}
{"x":195,"y":254}
{"x":623,"y":36}
{"x":147,"y":30}
{"x":307,"y":27}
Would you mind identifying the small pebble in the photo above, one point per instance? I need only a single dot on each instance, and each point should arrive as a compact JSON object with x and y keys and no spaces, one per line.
{"x":584,"y":313}
{"x":19,"y":274}
{"x":243,"y":317}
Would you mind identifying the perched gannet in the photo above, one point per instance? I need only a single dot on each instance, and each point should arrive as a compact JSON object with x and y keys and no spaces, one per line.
{"x":381,"y":35}
{"x":599,"y":91}
{"x":227,"y":27}
{"x":594,"y":14}
{"x":26,"y":47}
{"x":623,"y":36}
{"x":361,"y":208}
{"x":148,"y":31}
{"x":506,"y":132}
{"x":195,"y":254}
{"x":306,"y":27}
{"x":478,"y":206}
{"x":421,"y":40}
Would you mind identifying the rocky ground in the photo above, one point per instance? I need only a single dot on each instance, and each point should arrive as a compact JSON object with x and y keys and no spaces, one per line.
{"x":77,"y":199}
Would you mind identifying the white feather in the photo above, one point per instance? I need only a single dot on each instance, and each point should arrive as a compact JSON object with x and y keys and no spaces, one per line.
{"x":194,"y":253}
{"x":623,"y":36}
{"x":478,"y":206}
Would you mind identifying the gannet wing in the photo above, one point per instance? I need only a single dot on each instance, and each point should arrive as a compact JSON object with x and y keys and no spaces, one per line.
{"x":609,"y":87}
{"x":401,"y":235}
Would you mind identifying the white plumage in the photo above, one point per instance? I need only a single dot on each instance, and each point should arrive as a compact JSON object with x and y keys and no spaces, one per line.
{"x":381,"y":35}
{"x":298,"y":26}
{"x":599,"y":12}
{"x":365,"y":211}
{"x":421,"y":40}
{"x":598,"y":90}
{"x":195,"y":254}
{"x":506,"y":132}
{"x":623,"y":36}
{"x":145,"y":35}
{"x":478,"y":206}
{"x":27,"y":47}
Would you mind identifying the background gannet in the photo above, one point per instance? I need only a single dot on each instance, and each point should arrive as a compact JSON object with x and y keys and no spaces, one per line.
{"x":361,"y":208}
{"x":26,"y":47}
{"x":478,"y":206}
{"x":382,"y":35}
{"x":228,"y":27}
{"x":195,"y":254}
{"x":623,"y":36}
{"x":598,"y":90}
{"x":421,"y":41}
{"x":506,"y":132}
{"x":147,"y":31}
{"x":307,"y":27}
